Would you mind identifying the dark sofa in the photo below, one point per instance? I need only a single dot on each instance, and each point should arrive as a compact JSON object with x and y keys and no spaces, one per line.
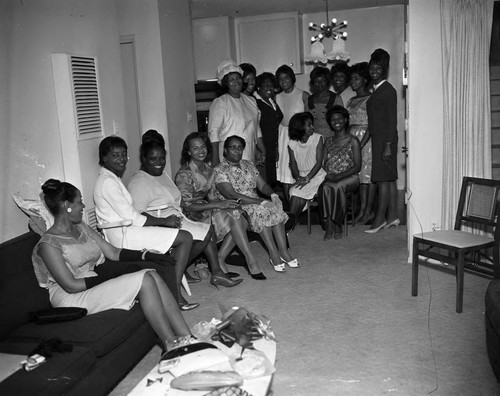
{"x":106,"y":345}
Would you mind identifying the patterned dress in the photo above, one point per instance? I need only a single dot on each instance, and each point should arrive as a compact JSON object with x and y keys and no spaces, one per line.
{"x":244,"y":181}
{"x":359,"y":125}
{"x":195,"y":185}
{"x":305,"y":156}
{"x":338,"y":158}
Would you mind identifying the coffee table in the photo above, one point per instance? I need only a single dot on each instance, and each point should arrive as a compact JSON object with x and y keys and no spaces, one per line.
{"x":255,"y":387}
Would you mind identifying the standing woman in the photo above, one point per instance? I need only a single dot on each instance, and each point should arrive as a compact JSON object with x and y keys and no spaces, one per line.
{"x":233,"y":113}
{"x":249,"y":76}
{"x":270,"y":119}
{"x":291,"y":100}
{"x":360,"y":78}
{"x":341,"y":75}
{"x":321,"y":100}
{"x":382,"y":120}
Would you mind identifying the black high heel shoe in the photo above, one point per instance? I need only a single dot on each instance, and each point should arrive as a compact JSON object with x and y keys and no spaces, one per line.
{"x":259,"y":276}
{"x":217,"y":280}
{"x":231,"y":274}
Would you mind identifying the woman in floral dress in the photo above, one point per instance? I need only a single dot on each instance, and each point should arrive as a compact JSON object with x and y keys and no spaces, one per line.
{"x":239,"y":180}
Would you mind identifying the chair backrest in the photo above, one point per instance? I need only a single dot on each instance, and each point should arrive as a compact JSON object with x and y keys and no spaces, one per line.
{"x":479,"y":204}
{"x":91,"y":218}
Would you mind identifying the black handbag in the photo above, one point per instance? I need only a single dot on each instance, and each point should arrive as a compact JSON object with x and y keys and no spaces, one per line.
{"x":54,"y":315}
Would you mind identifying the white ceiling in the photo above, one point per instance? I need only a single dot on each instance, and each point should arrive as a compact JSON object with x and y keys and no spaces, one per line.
{"x":240,"y":8}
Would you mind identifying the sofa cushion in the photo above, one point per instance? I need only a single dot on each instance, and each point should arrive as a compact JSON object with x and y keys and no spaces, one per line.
{"x":100,"y":332}
{"x":54,"y":377}
{"x":20,"y":293}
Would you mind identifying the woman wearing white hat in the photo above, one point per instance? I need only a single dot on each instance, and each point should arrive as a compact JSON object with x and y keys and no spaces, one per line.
{"x":233,"y":114}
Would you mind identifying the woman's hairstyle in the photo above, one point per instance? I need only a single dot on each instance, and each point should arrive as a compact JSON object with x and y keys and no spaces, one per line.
{"x":320,"y":71}
{"x":341,"y":67}
{"x":296,"y":125}
{"x":185,"y":157}
{"x":362,"y":70}
{"x":109,"y":143}
{"x":150,"y":140}
{"x":55,"y":192}
{"x":382,"y":58}
{"x":337,"y":110}
{"x":285,"y":69}
{"x":266,"y":76}
{"x":239,"y":138}
{"x":247,"y":69}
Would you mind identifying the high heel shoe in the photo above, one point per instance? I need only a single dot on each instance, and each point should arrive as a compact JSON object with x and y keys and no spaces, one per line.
{"x":375,"y":230}
{"x":231,"y":274}
{"x":259,"y":276}
{"x":188,"y":306}
{"x":278,"y":267}
{"x":292,"y":263}
{"x":394,"y":223}
{"x":217,"y":280}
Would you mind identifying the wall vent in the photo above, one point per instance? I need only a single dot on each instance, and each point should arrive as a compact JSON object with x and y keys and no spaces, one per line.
{"x":86,"y":97}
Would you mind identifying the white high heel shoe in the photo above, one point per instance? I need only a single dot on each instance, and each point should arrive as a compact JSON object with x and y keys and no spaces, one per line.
{"x":292,"y":263}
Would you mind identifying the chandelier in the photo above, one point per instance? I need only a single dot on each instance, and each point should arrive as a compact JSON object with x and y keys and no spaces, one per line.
{"x":334,"y":30}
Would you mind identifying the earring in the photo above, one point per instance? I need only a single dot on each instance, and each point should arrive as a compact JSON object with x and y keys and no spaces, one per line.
{"x":69,"y":210}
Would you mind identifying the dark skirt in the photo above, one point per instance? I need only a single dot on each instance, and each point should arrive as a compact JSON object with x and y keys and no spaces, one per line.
{"x":383,"y":170}
{"x":332,"y":200}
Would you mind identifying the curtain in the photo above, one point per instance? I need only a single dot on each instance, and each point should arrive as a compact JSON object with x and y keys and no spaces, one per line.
{"x":465,"y":37}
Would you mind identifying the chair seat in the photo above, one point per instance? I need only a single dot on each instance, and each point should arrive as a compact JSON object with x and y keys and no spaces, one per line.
{"x":455,"y":238}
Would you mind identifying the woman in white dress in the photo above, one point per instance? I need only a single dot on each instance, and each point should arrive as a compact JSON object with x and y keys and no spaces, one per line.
{"x":291,"y":100}
{"x":113,"y":203}
{"x":72,"y":262}
{"x":306,"y":156}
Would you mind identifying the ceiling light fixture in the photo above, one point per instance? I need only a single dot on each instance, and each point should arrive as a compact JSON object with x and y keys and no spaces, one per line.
{"x":334,"y":30}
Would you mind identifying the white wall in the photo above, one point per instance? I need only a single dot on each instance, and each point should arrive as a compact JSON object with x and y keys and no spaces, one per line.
{"x":34,"y":29}
{"x":140,"y":19}
{"x":178,"y":74}
{"x":368,"y":29}
{"x":425,"y":133}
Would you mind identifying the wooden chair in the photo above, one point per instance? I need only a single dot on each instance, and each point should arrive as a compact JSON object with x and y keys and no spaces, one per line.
{"x":91,"y":220}
{"x":349,"y":209}
{"x":463,"y":247}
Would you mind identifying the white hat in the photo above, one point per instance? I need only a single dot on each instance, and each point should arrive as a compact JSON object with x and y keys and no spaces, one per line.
{"x":225,"y":67}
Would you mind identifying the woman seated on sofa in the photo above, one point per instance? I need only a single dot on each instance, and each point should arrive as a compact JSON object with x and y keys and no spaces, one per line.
{"x":72,"y":261}
{"x":239,"y":179}
{"x":342,"y":163}
{"x":113,"y":203}
{"x":195,"y":180}
{"x":152,"y":187}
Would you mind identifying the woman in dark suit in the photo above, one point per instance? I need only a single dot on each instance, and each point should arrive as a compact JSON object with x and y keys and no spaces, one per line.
{"x":382,"y":121}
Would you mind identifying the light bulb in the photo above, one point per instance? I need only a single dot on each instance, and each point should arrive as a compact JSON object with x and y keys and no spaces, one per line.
{"x":322,"y":25}
{"x":320,"y":36}
{"x":344,"y":34}
{"x":311,"y":24}
{"x":313,"y":39}
{"x":345,"y":23}
{"x":334,"y":20}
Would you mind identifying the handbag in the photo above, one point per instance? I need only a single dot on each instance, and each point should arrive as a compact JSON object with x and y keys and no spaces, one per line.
{"x":54,"y":315}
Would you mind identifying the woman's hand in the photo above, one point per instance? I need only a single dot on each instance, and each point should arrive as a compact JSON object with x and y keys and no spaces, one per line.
{"x":228,"y":204}
{"x":173,"y":221}
{"x":302,"y":181}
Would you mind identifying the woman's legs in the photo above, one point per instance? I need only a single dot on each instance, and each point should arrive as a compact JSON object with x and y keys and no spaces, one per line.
{"x":387,"y":197}
{"x":267,"y":237}
{"x":239,"y":235}
{"x":156,"y":313}
{"x":280,"y":237}
{"x":209,"y":245}
{"x":182,"y":250}
{"x":363,"y":198}
{"x":296,"y":206}
{"x":372,"y":192}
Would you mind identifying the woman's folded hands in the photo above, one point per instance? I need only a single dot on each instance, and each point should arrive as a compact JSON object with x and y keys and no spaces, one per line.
{"x":172,"y":221}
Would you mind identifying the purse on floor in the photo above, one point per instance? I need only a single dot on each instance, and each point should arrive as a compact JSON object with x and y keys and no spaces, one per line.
{"x":54,"y":315}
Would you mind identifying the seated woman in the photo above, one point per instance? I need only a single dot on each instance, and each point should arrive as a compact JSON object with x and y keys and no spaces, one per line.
{"x":71,"y":261}
{"x":305,"y":149}
{"x":195,"y":180}
{"x":151,"y":186}
{"x":113,"y":203}
{"x":342,"y":163}
{"x":239,"y":180}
